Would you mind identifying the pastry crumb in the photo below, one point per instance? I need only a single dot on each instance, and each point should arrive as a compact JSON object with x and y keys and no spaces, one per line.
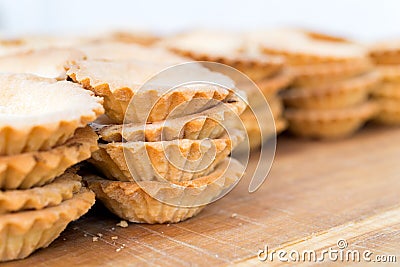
{"x":122,"y":224}
{"x":100,"y":235}
{"x":234,"y":215}
{"x":168,"y":225}
{"x":112,"y":228}
{"x":95,"y":239}
{"x":85,"y":235}
{"x":118,"y":250}
{"x":114,"y":237}
{"x":64,"y":238}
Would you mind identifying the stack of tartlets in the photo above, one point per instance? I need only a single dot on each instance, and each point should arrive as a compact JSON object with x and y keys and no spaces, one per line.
{"x":43,"y":132}
{"x":386,"y":55}
{"x":164,"y":153}
{"x":333,"y":78}
{"x":267,"y":72}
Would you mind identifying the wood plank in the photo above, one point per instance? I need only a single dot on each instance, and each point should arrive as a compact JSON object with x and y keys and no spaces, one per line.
{"x":313,"y":187}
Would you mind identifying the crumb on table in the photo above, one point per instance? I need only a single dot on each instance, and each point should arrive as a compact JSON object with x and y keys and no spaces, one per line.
{"x":122,"y":224}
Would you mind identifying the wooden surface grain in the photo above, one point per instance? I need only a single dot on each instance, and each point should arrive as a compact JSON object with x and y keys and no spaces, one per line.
{"x":316,"y":193}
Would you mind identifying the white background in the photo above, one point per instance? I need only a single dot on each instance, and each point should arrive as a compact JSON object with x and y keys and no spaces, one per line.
{"x":364,"y":20}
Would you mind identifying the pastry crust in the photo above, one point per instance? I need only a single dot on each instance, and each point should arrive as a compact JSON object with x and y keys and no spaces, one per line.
{"x":386,"y":52}
{"x":119,"y":82}
{"x":174,"y":161}
{"x":269,"y":87}
{"x":225,"y":48}
{"x":337,"y":123}
{"x":389,"y":112}
{"x":62,"y":188}
{"x":130,"y":201}
{"x":256,"y":67}
{"x":254,"y":135}
{"x":133,"y":37}
{"x":254,"y":130}
{"x":323,"y":74}
{"x":39,"y":113}
{"x":387,"y":90}
{"x":206,"y":124}
{"x":37,"y":168}
{"x":299,"y":48}
{"x":47,"y":62}
{"x":389,"y":73}
{"x":341,"y":94}
{"x":114,"y":51}
{"x":25,"y":44}
{"x":24,"y":232}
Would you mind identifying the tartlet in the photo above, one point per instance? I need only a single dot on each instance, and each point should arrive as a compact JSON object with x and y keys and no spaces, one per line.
{"x":386,"y":52}
{"x":39,"y":113}
{"x":135,"y":36}
{"x":226,"y":48}
{"x":271,"y":86}
{"x":389,"y":73}
{"x":122,"y":51}
{"x":268,"y":87}
{"x":62,"y":188}
{"x":389,"y":112}
{"x":130,"y":201}
{"x":387,"y":90}
{"x":24,"y":232}
{"x":206,"y":124}
{"x":335,"y":123}
{"x":46,"y":62}
{"x":320,"y":74}
{"x":175,"y":161}
{"x":37,"y":168}
{"x":257,"y":133}
{"x":129,"y":95}
{"x":299,"y":48}
{"x":333,"y":95}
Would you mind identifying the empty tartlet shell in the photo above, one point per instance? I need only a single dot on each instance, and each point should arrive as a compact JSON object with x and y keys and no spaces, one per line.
{"x":37,"y":168}
{"x":386,"y":52}
{"x":271,"y":86}
{"x":390,"y":73}
{"x":301,"y":58}
{"x":46,"y":62}
{"x":42,"y":133}
{"x":319,"y":74}
{"x":326,"y":124}
{"x":206,"y":124}
{"x":254,"y":134}
{"x":342,"y":94}
{"x":174,"y":161}
{"x":151,"y":104}
{"x":24,"y":232}
{"x":129,"y":200}
{"x":254,"y":130}
{"x":302,"y":48}
{"x":62,"y":188}
{"x":276,"y":106}
{"x":136,"y":37}
{"x":268,"y":87}
{"x":387,"y":90}
{"x":256,"y":67}
{"x":389,"y":112}
{"x":117,"y":51}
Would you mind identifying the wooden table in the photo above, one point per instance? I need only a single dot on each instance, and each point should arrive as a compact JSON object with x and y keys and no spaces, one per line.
{"x":316,"y":193}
